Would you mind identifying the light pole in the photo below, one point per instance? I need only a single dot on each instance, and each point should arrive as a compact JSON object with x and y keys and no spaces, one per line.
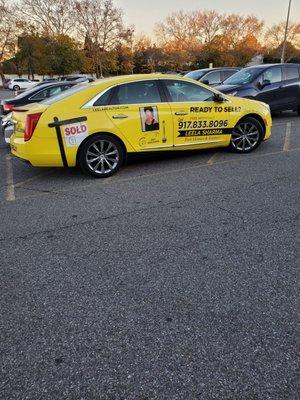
{"x":285,"y":32}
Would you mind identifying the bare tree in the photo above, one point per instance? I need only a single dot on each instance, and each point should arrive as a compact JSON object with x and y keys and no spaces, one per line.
{"x":7,"y":33}
{"x":101,"y":24}
{"x":275,"y":35}
{"x":178,"y":27}
{"x":50,"y":17}
{"x":239,"y":28}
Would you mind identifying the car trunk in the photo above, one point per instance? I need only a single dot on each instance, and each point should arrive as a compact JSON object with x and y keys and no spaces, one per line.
{"x":20,"y":114}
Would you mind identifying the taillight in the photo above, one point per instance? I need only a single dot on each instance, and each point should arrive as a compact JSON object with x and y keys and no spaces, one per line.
{"x":31,"y":122}
{"x":8,"y":107}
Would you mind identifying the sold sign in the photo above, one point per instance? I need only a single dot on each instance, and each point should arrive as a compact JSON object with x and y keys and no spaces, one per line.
{"x":75,"y":133}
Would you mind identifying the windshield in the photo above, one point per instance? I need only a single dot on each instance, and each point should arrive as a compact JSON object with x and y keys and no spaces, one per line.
{"x":66,"y":93}
{"x":195,"y":74}
{"x":246,"y":75}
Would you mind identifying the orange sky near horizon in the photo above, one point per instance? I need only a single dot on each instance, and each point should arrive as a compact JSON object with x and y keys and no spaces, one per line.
{"x":144,"y":14}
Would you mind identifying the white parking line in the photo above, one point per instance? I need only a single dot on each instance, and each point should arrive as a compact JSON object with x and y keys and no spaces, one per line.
{"x":287,"y":138}
{"x":212,"y":159}
{"x":112,"y":180}
{"x":10,"y":188}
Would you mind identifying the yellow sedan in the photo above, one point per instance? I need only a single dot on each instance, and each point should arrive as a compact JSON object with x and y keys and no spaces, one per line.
{"x":97,"y":125}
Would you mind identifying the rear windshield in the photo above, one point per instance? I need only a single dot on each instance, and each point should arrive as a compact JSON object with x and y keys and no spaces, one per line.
{"x":63,"y":95}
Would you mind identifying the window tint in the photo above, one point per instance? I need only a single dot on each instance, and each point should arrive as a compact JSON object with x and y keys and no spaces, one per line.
{"x":292,"y":73}
{"x":104,"y":99}
{"x":137,"y":92}
{"x":195,"y":74}
{"x":212,"y":77}
{"x":67,"y":93}
{"x":42,"y":95}
{"x":228,"y":72}
{"x":272,"y":74}
{"x":52,"y":91}
{"x":185,"y":91}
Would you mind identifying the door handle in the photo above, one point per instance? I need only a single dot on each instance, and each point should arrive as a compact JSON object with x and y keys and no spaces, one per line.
{"x":181,"y":113}
{"x":120,"y":116}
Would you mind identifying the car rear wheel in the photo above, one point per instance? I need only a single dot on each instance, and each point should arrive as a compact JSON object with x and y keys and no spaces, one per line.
{"x":16,"y":87}
{"x":101,"y":156}
{"x":246,"y":135}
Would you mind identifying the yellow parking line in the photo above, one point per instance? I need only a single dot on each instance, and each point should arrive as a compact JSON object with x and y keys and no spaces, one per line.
{"x":212,"y":159}
{"x":10,"y":189}
{"x":287,"y":138}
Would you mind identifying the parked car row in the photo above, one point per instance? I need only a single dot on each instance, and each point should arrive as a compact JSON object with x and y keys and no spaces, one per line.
{"x":20,"y":84}
{"x":278,"y":85}
{"x":37,"y":94}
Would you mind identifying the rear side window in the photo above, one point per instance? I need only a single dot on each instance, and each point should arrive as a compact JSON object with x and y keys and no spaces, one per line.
{"x":212,"y":77}
{"x":228,"y":72}
{"x":136,"y":93}
{"x":292,"y":73}
{"x":104,"y":99}
{"x":52,"y":91}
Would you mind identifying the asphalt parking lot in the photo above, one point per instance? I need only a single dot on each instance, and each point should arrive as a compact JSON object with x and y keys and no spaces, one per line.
{"x":174,"y":279}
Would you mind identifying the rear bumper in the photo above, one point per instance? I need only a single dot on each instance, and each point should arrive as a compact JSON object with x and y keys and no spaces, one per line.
{"x":35,"y":152}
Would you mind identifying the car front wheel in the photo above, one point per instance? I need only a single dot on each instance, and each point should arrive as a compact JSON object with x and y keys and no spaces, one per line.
{"x":101,"y":156}
{"x":16,"y":87}
{"x":246,"y":135}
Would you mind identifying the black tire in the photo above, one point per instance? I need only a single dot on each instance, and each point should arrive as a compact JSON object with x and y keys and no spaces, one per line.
{"x":16,"y":87}
{"x":246,"y":135}
{"x":93,"y":156}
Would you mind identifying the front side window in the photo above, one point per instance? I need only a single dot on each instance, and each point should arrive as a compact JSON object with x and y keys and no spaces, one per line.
{"x":272,"y":74}
{"x":180,"y":91}
{"x":136,"y":93}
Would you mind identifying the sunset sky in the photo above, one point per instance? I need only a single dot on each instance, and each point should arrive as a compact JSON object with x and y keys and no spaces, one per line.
{"x":145,"y":13}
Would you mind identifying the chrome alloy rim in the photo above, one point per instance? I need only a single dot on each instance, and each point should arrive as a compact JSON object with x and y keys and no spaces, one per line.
{"x":245,"y":136}
{"x":102,"y":157}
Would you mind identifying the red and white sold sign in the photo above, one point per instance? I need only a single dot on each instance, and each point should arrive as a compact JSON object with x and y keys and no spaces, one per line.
{"x":75,"y":133}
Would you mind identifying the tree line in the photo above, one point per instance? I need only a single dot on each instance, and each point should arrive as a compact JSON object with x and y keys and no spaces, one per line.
{"x":58,"y":37}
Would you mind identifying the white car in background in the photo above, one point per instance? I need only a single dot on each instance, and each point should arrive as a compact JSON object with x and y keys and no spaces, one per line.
{"x":20,"y":84}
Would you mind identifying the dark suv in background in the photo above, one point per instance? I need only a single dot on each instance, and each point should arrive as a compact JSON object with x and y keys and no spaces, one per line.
{"x":212,"y":76}
{"x":275,"y":84}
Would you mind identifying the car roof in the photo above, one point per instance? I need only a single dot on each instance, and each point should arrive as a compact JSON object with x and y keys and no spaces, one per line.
{"x":274,"y":65}
{"x":137,"y":77}
{"x":58,"y":83}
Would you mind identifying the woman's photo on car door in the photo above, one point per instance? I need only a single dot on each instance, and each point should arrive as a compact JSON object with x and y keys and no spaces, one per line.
{"x":149,"y":118}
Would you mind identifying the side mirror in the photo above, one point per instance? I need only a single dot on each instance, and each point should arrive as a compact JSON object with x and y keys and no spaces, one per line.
{"x":219,"y":98}
{"x":205,"y":81}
